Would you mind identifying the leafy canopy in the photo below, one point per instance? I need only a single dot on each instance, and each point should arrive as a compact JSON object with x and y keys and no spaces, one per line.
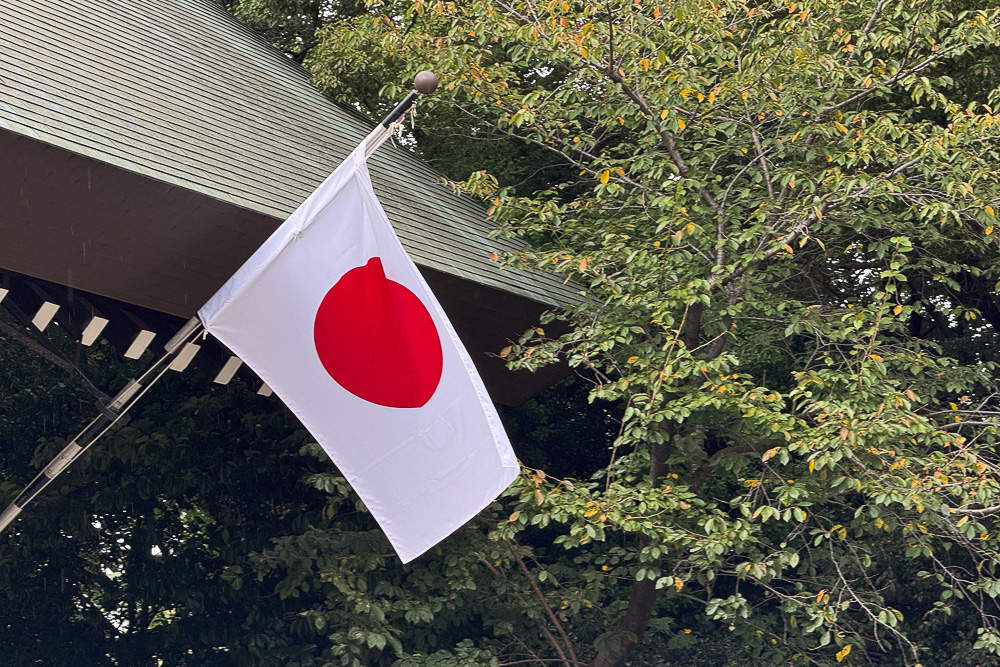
{"x":781,"y":219}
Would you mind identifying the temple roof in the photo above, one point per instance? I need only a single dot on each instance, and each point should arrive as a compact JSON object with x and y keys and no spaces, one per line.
{"x":180,"y":93}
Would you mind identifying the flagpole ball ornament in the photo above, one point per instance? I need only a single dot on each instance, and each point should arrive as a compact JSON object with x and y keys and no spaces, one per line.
{"x":425,"y":82}
{"x":377,"y":340}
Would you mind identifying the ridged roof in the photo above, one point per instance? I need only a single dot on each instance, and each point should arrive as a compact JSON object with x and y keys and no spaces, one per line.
{"x":180,"y":92}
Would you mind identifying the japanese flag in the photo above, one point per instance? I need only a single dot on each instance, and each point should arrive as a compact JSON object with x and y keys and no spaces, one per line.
{"x":336,"y":319}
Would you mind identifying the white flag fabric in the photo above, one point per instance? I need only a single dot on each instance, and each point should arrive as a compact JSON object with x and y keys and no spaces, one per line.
{"x":333,"y":315}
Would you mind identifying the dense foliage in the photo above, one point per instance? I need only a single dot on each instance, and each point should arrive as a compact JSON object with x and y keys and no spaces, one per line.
{"x":781,"y":219}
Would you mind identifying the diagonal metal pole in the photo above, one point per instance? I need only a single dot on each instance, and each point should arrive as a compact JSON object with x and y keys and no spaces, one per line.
{"x":110,"y":415}
{"x":423,"y":84}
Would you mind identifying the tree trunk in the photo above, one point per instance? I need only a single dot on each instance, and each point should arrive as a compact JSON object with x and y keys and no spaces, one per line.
{"x":642,"y":597}
{"x":640,"y":608}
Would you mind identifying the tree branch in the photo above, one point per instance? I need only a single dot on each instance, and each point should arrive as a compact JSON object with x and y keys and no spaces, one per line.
{"x":55,"y":359}
{"x":668,"y":141}
{"x":986,"y":511}
{"x":548,"y":610}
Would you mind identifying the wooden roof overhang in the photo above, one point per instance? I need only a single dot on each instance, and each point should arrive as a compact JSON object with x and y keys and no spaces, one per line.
{"x":147,"y":149}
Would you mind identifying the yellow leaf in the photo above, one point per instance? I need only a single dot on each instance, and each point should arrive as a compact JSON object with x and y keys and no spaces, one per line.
{"x":664,"y":113}
{"x":989,"y":230}
{"x":605,"y":176}
{"x":840,"y":127}
{"x":876,"y":357}
{"x":711,"y":97}
{"x":678,"y":584}
{"x":513,"y":517}
{"x":989,"y":209}
{"x":504,"y":352}
{"x":819,"y":596}
{"x":645,"y":64}
{"x":583,"y":265}
{"x":812,"y":464}
{"x":632,"y":360}
{"x":788,"y":249}
{"x":769,"y":453}
{"x":701,"y":97}
{"x":656,"y":13}
{"x":746,"y":94}
{"x":897,"y":310}
{"x":583,"y":52}
{"x":843,"y":653}
{"x":680,"y":123}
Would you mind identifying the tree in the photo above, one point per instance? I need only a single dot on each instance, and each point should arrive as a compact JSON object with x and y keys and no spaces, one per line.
{"x":782,"y":217}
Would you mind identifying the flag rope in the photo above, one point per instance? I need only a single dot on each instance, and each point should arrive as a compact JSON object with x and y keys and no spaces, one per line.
{"x":423,"y":84}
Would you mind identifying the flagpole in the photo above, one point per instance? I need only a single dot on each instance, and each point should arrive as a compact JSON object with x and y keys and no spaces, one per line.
{"x":111,"y":414}
{"x":423,"y":84}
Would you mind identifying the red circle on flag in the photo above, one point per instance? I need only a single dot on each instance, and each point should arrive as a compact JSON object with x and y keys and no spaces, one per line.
{"x":377,"y":340}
